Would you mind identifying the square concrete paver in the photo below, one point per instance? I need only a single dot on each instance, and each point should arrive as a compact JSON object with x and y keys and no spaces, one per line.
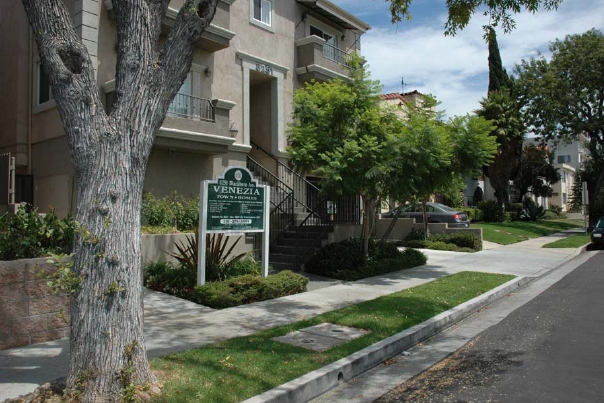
{"x":321,"y":337}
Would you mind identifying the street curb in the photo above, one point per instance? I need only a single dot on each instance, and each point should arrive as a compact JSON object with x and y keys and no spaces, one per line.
{"x":323,"y":379}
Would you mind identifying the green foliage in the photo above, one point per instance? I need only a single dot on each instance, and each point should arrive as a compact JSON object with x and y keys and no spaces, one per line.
{"x":345,"y":260}
{"x":249,"y":289}
{"x":503,"y":111}
{"x":536,"y":172}
{"x":474,"y":214}
{"x":218,"y":254}
{"x":498,"y":77}
{"x":148,"y":229}
{"x":531,"y":210}
{"x":175,"y":280}
{"x":461,"y":11}
{"x":491,"y":211}
{"x":63,"y":280}
{"x":555,"y":209}
{"x":456,"y":242}
{"x":562,"y":97}
{"x":27,"y":234}
{"x":416,"y":235}
{"x":170,"y":211}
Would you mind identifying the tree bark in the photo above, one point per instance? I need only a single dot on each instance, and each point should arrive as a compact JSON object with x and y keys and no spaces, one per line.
{"x":109,"y":153}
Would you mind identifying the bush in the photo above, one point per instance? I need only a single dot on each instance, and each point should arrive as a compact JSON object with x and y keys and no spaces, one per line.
{"x":437,"y":245}
{"x":416,"y":235}
{"x":166,"y":277}
{"x":345,"y":260}
{"x":491,"y":211}
{"x":550,"y":215}
{"x":557,"y":210}
{"x":461,"y":239}
{"x":474,"y":214}
{"x":532,"y":211}
{"x":27,"y":234}
{"x":171,"y":211}
{"x":249,"y":289}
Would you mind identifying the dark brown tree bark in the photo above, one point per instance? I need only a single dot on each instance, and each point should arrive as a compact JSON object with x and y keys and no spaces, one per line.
{"x":109,"y":154}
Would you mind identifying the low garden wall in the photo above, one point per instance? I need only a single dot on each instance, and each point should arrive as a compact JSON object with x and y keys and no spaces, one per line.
{"x":29,"y":312}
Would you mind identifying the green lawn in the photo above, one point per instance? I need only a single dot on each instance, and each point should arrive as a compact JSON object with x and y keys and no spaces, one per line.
{"x":506,"y":233}
{"x":573,"y":241}
{"x":237,"y":369}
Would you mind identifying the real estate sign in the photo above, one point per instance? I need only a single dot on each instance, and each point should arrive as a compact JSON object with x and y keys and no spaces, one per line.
{"x":233,"y":204}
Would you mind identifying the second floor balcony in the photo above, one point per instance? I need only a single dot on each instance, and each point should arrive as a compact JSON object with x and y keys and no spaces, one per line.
{"x":320,"y":60}
{"x":191,"y":107}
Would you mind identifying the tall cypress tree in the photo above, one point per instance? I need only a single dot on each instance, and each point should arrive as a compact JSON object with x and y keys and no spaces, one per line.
{"x":501,"y":108}
{"x":498,"y":77}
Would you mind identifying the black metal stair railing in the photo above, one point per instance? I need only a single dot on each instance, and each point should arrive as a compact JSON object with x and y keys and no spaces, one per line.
{"x":281,"y":199}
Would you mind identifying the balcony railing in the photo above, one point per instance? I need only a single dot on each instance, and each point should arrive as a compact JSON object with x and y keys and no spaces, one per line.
{"x":190,"y":107}
{"x":334,"y":54}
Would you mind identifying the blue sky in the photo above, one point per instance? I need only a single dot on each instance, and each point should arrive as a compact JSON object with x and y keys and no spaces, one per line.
{"x":455,"y":69}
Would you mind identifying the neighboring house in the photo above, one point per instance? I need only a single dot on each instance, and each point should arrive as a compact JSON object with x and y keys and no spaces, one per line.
{"x":399,"y":102}
{"x":568,"y":159}
{"x":238,"y":93}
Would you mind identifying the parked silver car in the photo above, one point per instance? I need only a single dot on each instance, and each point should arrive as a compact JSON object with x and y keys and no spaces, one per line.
{"x":437,"y":213}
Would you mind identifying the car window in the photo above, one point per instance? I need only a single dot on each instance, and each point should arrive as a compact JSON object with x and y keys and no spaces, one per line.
{"x":600,"y":223}
{"x":409,"y":209}
{"x":445,"y":208}
{"x":429,"y":209}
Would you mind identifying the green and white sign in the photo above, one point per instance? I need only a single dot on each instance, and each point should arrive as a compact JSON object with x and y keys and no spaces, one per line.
{"x":235,"y":203}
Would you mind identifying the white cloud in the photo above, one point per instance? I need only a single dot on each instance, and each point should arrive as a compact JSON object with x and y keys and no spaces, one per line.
{"x":455,"y":69}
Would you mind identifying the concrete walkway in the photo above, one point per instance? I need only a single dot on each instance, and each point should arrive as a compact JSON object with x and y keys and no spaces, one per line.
{"x":172,"y":324}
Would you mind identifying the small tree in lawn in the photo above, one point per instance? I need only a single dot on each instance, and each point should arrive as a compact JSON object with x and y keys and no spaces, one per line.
{"x":108,"y":361}
{"x":340,"y":134}
{"x":433,"y":156}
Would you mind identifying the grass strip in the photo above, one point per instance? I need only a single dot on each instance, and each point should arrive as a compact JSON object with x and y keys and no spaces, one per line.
{"x":506,"y":233}
{"x":573,"y":241}
{"x":240,"y":368}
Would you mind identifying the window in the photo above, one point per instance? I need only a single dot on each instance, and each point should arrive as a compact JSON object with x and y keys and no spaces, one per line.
{"x":181,"y":105}
{"x":564,"y":198}
{"x":263,"y":11}
{"x":562,"y":176}
{"x":562,"y":159}
{"x":44,"y":90}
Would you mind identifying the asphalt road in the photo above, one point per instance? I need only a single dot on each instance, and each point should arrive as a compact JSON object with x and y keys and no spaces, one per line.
{"x":551,"y":349}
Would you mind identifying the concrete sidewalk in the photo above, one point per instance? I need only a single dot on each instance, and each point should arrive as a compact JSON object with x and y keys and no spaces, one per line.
{"x":172,"y":324}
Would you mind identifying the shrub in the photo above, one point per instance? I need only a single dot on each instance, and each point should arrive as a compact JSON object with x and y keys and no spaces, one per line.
{"x":461,"y":239}
{"x":416,"y":235}
{"x":27,"y":234}
{"x":171,"y":211}
{"x":532,"y":211}
{"x":174,"y":280}
{"x":550,"y":215}
{"x":474,"y":214}
{"x":557,"y":210}
{"x":491,"y":211}
{"x":345,"y":260}
{"x":249,"y":289}
{"x":438,"y":245}
{"x":148,"y":229}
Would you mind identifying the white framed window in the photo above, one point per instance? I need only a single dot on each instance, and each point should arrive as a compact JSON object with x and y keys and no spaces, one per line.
{"x":562,"y":176}
{"x":563,"y":159}
{"x":261,"y":13}
{"x":181,"y":104}
{"x":43,"y":98}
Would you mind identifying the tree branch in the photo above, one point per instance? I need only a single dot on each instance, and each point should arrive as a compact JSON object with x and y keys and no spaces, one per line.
{"x":70,"y":72}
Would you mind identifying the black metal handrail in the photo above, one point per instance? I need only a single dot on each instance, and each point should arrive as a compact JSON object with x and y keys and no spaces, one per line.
{"x":190,"y":107}
{"x":281,"y":199}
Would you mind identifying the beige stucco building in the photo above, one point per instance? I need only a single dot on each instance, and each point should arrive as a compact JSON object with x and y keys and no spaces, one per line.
{"x":238,"y":94}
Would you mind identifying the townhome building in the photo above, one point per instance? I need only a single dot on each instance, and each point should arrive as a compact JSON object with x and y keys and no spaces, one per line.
{"x":232,"y":109}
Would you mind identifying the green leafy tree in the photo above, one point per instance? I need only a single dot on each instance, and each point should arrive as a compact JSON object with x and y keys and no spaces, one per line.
{"x":498,"y":76}
{"x":433,"y":156}
{"x":500,"y":12}
{"x":502,"y":110}
{"x":536,"y":172}
{"x":564,"y":97}
{"x":108,"y":361}
{"x":340,"y":133}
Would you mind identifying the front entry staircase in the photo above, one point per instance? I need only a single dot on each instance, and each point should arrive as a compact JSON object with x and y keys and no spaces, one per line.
{"x":300,"y":218}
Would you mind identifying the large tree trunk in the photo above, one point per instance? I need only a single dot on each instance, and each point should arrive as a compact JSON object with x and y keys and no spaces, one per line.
{"x":106,"y":312}
{"x":109,"y":153}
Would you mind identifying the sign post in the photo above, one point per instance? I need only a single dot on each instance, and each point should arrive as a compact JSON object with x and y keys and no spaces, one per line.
{"x":233,"y":204}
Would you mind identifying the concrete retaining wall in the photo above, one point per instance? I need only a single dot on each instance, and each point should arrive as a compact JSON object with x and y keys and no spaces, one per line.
{"x":29,"y":312}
